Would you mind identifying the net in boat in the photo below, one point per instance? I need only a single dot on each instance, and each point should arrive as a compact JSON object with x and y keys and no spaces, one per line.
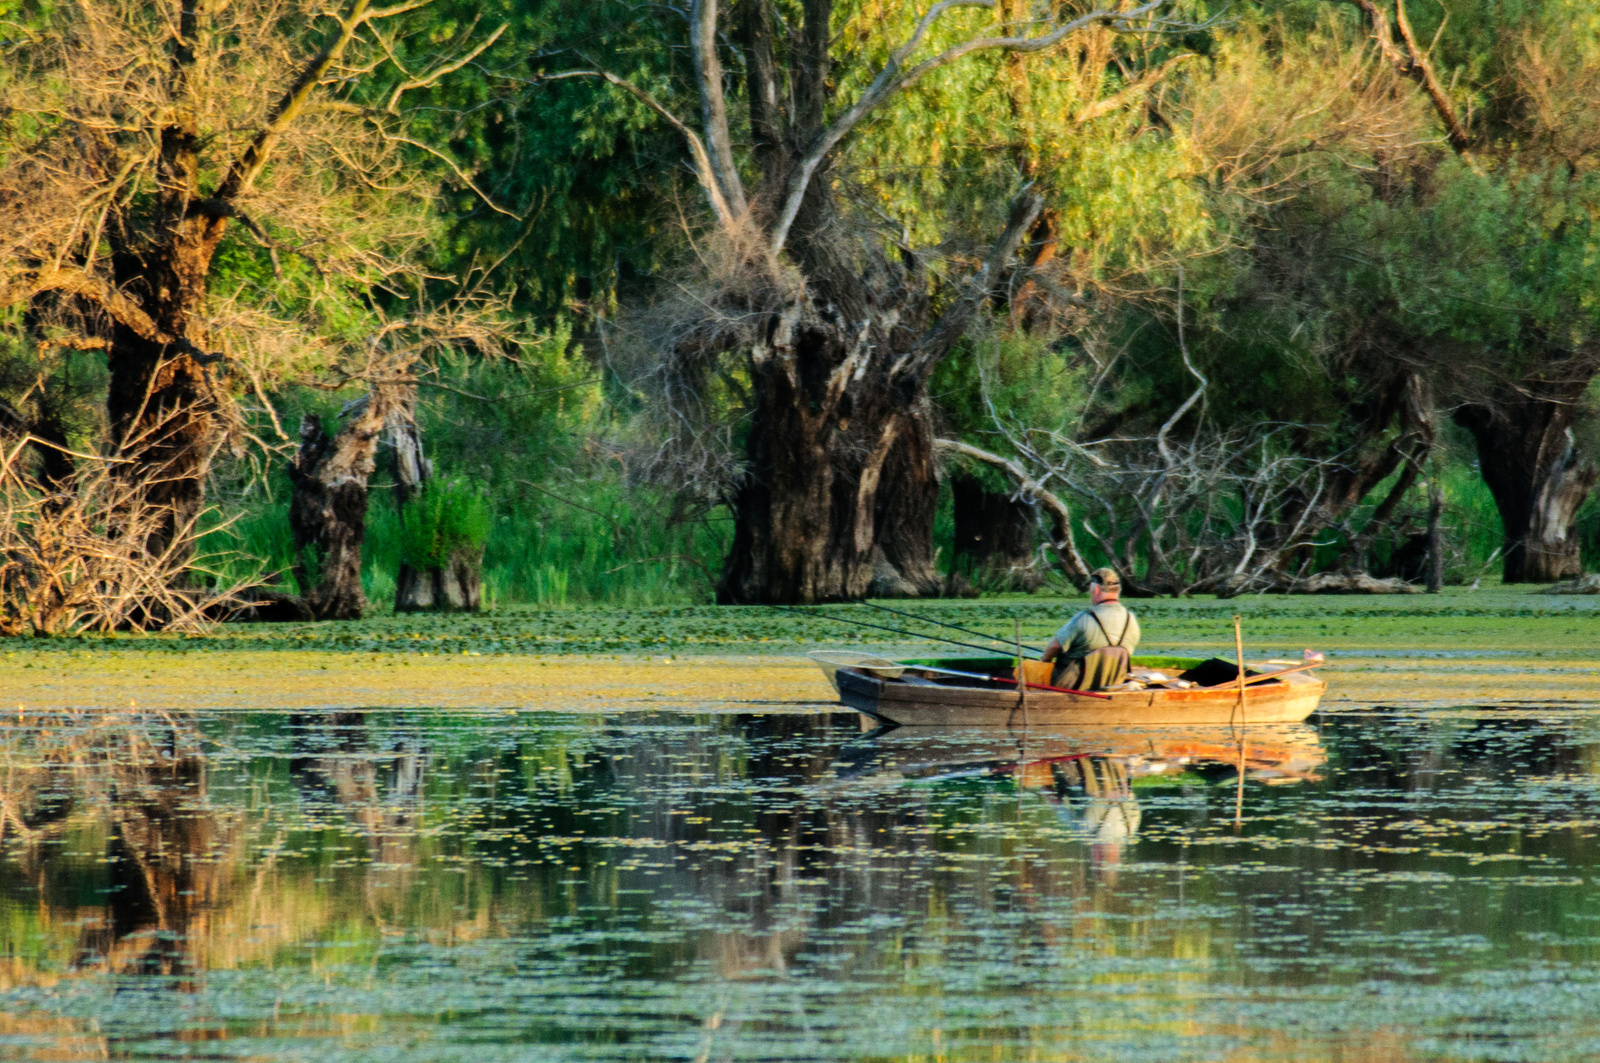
{"x":830,"y":661}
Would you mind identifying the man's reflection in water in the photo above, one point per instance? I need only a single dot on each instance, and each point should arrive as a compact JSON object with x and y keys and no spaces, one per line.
{"x":1097,"y":803}
{"x":1088,"y":773}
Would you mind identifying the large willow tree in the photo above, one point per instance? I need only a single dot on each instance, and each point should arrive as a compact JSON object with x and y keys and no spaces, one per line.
{"x":817,"y":310}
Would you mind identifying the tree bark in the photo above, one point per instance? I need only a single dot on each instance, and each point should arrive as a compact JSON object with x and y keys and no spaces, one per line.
{"x":1531,"y":465}
{"x":1435,"y":538}
{"x":328,"y":511}
{"x":161,"y":400}
{"x":831,"y":456}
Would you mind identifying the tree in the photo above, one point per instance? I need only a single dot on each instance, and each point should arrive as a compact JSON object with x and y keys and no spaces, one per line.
{"x":1502,"y":303}
{"x":828,"y":326}
{"x":216,"y":196}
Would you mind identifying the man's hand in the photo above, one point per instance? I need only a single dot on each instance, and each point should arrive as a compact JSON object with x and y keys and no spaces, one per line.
{"x":1052,"y":651}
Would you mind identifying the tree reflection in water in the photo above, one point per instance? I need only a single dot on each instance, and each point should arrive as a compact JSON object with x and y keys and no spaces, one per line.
{"x":395,"y":879}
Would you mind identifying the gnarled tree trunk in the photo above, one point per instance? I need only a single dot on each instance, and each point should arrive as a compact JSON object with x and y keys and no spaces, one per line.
{"x":1531,"y":465}
{"x":841,"y":491}
{"x":840,"y":495}
{"x":162,"y":401}
{"x":328,"y":511}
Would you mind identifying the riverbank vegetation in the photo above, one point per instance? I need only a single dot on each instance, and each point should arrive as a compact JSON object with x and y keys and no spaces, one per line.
{"x":447,"y":308}
{"x":1510,"y":620}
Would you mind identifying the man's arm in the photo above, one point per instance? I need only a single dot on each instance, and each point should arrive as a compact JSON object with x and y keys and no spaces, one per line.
{"x":1069,"y":631}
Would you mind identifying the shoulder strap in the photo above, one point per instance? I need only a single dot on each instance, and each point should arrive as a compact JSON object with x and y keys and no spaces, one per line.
{"x":1106,"y":633}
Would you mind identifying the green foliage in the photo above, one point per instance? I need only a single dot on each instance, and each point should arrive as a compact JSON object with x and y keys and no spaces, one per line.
{"x":449,"y":517}
{"x":586,"y":176}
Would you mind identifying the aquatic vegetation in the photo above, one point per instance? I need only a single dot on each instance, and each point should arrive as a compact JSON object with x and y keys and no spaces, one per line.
{"x":423,"y":886}
{"x":1514,"y":619}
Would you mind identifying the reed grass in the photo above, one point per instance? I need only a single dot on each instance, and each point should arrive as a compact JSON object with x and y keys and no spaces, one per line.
{"x":600,"y":542}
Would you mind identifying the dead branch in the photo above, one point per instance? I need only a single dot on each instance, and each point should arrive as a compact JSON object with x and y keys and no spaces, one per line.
{"x":74,"y":558}
{"x":1065,"y":543}
{"x":704,"y":171}
{"x":1400,"y":47}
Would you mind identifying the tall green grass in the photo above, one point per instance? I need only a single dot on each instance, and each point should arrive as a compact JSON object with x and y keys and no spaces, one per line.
{"x":1471,"y":523}
{"x":623,"y":549}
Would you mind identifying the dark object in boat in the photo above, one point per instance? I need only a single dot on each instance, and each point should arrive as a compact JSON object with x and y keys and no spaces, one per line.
{"x":1215,"y":671}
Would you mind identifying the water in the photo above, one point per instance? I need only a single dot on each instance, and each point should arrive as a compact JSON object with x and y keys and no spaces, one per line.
{"x":482,"y":887}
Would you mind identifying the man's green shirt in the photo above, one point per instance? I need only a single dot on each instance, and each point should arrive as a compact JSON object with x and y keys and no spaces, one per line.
{"x":1081,"y":634}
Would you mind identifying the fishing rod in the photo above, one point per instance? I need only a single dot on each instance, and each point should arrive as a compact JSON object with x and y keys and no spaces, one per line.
{"x":894,"y":630}
{"x":941,"y":623}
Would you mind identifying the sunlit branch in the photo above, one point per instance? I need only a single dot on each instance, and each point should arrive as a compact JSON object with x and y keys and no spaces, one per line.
{"x":896,"y":76}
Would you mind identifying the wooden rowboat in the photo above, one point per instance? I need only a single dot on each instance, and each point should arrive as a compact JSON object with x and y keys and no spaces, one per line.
{"x":924,"y":693}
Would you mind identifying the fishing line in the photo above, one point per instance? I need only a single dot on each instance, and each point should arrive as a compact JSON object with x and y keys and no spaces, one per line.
{"x":941,"y":623}
{"x":882,"y":627}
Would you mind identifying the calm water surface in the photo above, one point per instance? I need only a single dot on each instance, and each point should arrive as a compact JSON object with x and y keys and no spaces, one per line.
{"x":434,"y":887}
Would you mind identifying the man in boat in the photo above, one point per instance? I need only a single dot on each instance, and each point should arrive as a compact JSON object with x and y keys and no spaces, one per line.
{"x":1092,"y":650}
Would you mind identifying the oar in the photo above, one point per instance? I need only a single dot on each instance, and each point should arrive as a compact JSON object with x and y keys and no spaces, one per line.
{"x":1264,"y":676}
{"x":941,"y":623}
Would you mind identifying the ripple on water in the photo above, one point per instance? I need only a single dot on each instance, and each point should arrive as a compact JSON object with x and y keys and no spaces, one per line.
{"x":441,"y":886}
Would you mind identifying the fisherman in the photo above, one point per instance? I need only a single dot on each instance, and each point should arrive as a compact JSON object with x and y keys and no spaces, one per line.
{"x":1092,"y":650}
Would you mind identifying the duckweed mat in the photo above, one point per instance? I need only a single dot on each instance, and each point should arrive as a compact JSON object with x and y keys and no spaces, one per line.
{"x":429,"y":886}
{"x":1497,"y":645}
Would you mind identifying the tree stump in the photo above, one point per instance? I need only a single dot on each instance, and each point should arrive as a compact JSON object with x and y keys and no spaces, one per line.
{"x":328,"y":510}
{"x":456,"y":586}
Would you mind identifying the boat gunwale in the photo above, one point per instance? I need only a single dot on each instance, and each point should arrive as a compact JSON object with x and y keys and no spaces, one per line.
{"x":901,"y":703}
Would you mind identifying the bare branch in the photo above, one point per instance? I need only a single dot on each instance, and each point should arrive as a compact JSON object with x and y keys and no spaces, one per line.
{"x":396,"y":138}
{"x":713,"y":105}
{"x":244,"y":170}
{"x":1065,"y":544}
{"x":1132,"y":91}
{"x":1194,"y":397}
{"x":1415,"y":64}
{"x":448,"y":68}
{"x":952,"y":324}
{"x":76,"y":282}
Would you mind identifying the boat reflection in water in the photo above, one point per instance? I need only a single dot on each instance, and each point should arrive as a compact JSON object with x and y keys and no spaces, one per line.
{"x":1093,"y":775}
{"x":430,"y":885}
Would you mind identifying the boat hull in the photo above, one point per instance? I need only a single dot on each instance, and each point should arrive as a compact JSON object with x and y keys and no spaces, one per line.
{"x":1289,"y":700}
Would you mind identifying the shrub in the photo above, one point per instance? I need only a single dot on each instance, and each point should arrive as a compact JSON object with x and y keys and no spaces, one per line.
{"x":448,"y":517}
